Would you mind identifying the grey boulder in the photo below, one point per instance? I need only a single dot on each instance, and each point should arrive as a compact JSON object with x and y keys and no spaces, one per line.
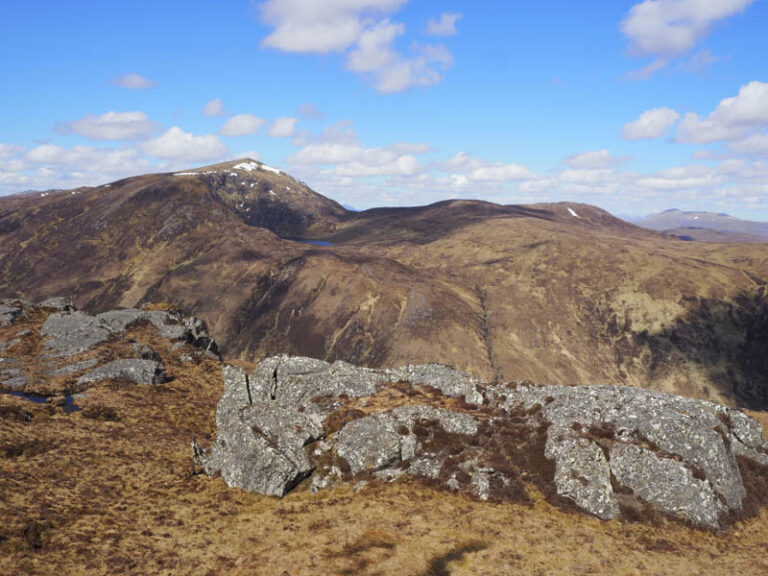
{"x":70,"y":333}
{"x":147,"y":372}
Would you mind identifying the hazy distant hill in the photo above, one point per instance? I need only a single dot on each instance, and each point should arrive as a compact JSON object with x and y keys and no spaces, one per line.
{"x":692,"y":225}
{"x":555,"y":293}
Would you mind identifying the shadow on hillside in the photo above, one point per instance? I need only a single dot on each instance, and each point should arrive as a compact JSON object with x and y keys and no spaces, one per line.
{"x":727,"y":339}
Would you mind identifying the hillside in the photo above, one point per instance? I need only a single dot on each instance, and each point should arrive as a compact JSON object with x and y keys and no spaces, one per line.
{"x":555,"y":293}
{"x":99,"y":477}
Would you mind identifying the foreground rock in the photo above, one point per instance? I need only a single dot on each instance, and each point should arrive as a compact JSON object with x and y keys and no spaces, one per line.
{"x":608,"y":450}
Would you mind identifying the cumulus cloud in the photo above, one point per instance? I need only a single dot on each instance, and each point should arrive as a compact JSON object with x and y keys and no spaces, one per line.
{"x":320,"y":26}
{"x":181,"y":146}
{"x":651,"y":124}
{"x":390,"y":71}
{"x":134,"y":81}
{"x":111,"y":126}
{"x":445,"y":26}
{"x":242,"y":125}
{"x":339,"y":148}
{"x":214,"y":108}
{"x":733,"y":119}
{"x":595,"y":159}
{"x":49,"y":165}
{"x":284,"y":127}
{"x":477,"y":170}
{"x":755,"y":145}
{"x":666,"y":29}
{"x":362,"y":30}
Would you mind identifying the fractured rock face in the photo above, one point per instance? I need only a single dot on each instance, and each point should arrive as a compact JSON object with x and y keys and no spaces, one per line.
{"x":294,"y":418}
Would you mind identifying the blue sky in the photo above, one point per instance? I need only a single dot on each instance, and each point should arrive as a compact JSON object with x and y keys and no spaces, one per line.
{"x":635,"y":106}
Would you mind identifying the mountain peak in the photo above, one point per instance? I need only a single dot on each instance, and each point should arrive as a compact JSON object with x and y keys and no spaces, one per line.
{"x":239,"y":165}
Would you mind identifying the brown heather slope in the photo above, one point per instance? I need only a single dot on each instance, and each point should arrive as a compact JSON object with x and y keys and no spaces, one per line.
{"x":111,"y":489}
{"x":517,"y":292}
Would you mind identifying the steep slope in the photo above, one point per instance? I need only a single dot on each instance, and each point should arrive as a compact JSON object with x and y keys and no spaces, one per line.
{"x":555,"y":293}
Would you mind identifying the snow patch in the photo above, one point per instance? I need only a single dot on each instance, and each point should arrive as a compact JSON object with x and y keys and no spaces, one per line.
{"x":247,"y":166}
{"x":186,"y":173}
{"x":272,"y":192}
{"x":573,"y":212}
{"x":270,"y":169}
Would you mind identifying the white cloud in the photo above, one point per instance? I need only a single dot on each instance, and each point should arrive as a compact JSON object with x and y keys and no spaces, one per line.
{"x":424,"y":68}
{"x":58,"y":167}
{"x":111,"y":126}
{"x":374,"y":47}
{"x":477,"y":170}
{"x":666,"y":29}
{"x":214,"y":108}
{"x":362,"y":30}
{"x":339,"y":147}
{"x":134,"y":81}
{"x":733,"y":119}
{"x":181,"y":146}
{"x":284,"y":127}
{"x":755,"y":145}
{"x":241,"y":125}
{"x":651,"y":124}
{"x":445,"y":26}
{"x":681,"y":178}
{"x":595,"y":159}
{"x":320,"y":26}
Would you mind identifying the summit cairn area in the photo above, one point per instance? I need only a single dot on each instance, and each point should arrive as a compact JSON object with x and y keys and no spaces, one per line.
{"x":610,"y":451}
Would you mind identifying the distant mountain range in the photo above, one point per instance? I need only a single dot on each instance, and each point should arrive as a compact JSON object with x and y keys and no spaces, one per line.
{"x":705,"y":226}
{"x":556,"y":293}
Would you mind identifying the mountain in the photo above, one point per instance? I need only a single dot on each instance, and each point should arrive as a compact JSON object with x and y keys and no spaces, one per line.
{"x":555,"y":293}
{"x":697,"y":226}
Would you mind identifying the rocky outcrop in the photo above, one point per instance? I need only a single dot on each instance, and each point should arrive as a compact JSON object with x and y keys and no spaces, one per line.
{"x":146,"y":372}
{"x":59,"y":349}
{"x":604,"y":449}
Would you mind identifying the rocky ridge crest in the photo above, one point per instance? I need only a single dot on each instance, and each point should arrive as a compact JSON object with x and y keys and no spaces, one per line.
{"x":610,"y":451}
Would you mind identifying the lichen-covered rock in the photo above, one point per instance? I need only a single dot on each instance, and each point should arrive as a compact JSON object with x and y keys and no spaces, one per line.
{"x":69,"y":333}
{"x":695,"y":438}
{"x":120,"y":320}
{"x":297,"y":417}
{"x":147,"y":372}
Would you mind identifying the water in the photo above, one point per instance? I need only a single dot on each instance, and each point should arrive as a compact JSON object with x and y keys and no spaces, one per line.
{"x":69,"y":404}
{"x":315,"y":242}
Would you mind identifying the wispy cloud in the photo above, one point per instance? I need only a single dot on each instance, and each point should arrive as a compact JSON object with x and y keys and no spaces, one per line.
{"x":134,"y":81}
